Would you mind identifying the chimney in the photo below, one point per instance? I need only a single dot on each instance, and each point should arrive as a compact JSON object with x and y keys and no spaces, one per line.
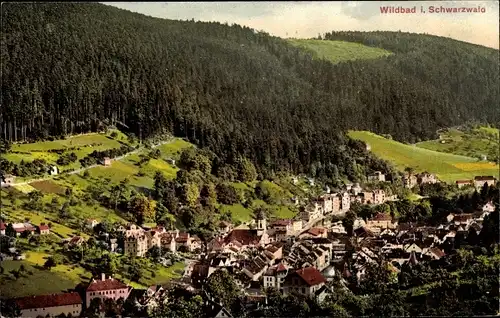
{"x":103,"y":277}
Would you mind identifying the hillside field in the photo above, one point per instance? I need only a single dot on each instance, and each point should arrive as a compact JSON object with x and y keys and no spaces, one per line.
{"x":339,"y":51}
{"x":476,"y":142}
{"x":448,"y":167}
{"x":81,"y":145}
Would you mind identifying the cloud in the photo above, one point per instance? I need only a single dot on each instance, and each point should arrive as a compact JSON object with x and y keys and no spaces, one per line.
{"x":308,"y":19}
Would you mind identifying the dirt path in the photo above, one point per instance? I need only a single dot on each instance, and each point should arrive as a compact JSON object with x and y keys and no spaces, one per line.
{"x":92,"y":166}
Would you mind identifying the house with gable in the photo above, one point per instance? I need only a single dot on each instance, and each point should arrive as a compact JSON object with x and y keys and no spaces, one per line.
{"x":381,"y":221}
{"x":43,"y":229}
{"x":275,"y":276}
{"x":106,"y":288}
{"x":305,"y":281}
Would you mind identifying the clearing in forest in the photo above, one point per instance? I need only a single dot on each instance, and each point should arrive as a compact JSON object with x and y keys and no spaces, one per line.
{"x":339,"y":51}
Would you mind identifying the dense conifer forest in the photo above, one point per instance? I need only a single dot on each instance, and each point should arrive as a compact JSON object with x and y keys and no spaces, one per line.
{"x":71,"y":68}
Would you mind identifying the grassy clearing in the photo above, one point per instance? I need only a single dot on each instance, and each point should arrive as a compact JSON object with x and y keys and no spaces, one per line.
{"x":339,"y":51}
{"x":24,"y":188}
{"x":448,"y":167}
{"x":174,"y":148}
{"x":477,"y":142}
{"x":161,"y":274}
{"x":238,"y":212}
{"x":81,"y":145}
{"x":34,"y":280}
{"x":41,"y":281}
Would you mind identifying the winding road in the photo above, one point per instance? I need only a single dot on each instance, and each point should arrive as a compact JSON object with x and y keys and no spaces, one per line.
{"x":92,"y":166}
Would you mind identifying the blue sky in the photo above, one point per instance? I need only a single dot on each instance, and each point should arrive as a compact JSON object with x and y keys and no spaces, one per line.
{"x":307,"y":19}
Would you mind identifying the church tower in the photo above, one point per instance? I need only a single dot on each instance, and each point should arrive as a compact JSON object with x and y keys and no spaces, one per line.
{"x":261,"y":227}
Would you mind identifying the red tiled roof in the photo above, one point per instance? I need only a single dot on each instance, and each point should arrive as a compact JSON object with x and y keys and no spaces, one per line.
{"x":43,"y":227}
{"x":311,"y":276}
{"x":436,"y":251}
{"x":316,"y":231}
{"x":245,"y":237}
{"x":2,"y":226}
{"x":107,"y":284}
{"x":52,"y":300}
{"x":381,"y":217}
{"x":280,"y":268}
{"x":463,"y":181}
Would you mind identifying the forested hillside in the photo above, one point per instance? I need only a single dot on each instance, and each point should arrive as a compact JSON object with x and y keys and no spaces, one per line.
{"x":70,"y":68}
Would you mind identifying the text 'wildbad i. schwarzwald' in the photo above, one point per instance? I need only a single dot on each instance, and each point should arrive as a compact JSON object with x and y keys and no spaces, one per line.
{"x":431,"y":9}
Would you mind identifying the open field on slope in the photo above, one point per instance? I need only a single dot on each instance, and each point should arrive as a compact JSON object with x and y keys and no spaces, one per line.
{"x":447,"y":167}
{"x":477,"y":142}
{"x":81,"y":145}
{"x":35,"y":280}
{"x":339,"y":51}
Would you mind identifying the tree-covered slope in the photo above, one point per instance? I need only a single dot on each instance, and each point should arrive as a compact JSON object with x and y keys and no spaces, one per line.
{"x":69,"y":68}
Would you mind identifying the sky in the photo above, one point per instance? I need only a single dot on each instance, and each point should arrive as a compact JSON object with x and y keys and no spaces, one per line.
{"x":308,"y":19}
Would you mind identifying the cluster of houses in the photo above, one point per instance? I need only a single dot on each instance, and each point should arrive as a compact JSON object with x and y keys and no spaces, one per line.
{"x":411,"y":180}
{"x":304,"y":261}
{"x":24,"y":229}
{"x":139,"y":241}
{"x":339,"y":203}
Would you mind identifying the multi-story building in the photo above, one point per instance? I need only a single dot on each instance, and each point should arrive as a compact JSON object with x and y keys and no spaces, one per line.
{"x":68,"y":304}
{"x":378,"y":196}
{"x":380,"y":221}
{"x":377,"y":176}
{"x":410,"y":181}
{"x":367,"y":197}
{"x":106,"y":288}
{"x":136,"y":245}
{"x":426,"y":177}
{"x":305,"y":281}
{"x":480,"y":181}
{"x":275,"y":276}
{"x":312,"y":212}
{"x":345,"y":202}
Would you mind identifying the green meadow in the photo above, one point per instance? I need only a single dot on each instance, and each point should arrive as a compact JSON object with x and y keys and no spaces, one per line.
{"x":448,"y":167}
{"x":339,"y":51}
{"x":472,"y":142}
